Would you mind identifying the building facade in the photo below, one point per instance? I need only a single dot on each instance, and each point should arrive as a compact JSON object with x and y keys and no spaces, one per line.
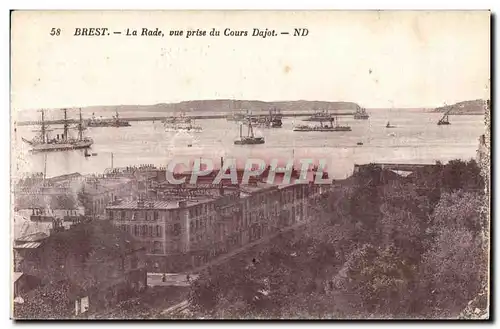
{"x":186,"y":233}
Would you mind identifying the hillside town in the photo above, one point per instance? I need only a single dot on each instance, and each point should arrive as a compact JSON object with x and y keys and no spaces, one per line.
{"x":129,"y":242}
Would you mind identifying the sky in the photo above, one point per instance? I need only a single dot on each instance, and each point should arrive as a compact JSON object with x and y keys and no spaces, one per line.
{"x":374,"y":58}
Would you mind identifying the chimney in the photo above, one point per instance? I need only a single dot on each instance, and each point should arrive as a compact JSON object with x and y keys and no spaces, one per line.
{"x":151,"y":204}
{"x":182,"y":204}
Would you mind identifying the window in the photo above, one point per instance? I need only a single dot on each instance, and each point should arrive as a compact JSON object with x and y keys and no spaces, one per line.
{"x":150,"y":231}
{"x":144,"y":230}
{"x":157,"y":215}
{"x":158,"y":247}
{"x":136,"y":230}
{"x":177,"y":229}
{"x":123,"y":214}
{"x":158,"y":231}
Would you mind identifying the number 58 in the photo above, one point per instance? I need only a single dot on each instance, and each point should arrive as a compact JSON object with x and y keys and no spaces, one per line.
{"x":55,"y":31}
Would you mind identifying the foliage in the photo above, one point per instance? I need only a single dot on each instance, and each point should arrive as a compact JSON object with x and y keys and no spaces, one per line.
{"x":386,"y":246}
{"x":47,"y":302}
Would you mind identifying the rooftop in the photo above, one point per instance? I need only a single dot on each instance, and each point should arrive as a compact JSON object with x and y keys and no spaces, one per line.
{"x":133,"y":204}
{"x":29,"y":245}
{"x":259,"y":187}
{"x":34,"y":237}
{"x":174,"y":203}
{"x":16,"y":276}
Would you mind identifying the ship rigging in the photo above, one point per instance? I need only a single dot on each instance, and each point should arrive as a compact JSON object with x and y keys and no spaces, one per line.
{"x":250,"y":139}
{"x":44,"y":143}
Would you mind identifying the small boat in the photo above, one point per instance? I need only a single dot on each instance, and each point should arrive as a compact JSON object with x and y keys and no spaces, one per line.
{"x":388,"y":125}
{"x":87,"y":154}
{"x":444,"y":120}
{"x":359,"y":143}
{"x":250,"y":139}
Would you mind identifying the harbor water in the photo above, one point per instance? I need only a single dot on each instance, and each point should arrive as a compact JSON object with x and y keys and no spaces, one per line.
{"x":416,"y":138}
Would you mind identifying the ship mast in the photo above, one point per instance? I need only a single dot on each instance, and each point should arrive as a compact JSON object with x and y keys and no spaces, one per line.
{"x":250,"y":129}
{"x":43,"y":128}
{"x":66,"y":125}
{"x":44,"y":167}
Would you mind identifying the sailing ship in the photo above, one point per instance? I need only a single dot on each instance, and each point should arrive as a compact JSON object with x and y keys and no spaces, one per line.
{"x":361,"y":114}
{"x":323,"y":127}
{"x":114,"y":122}
{"x":271,"y":120}
{"x":445,"y":119}
{"x":320,"y":116}
{"x":275,"y":117}
{"x":63,"y":142}
{"x":250,"y":139}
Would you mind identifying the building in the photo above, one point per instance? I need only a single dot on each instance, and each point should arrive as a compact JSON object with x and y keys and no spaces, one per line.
{"x":188,"y":229}
{"x":99,"y":191}
{"x":90,"y":267}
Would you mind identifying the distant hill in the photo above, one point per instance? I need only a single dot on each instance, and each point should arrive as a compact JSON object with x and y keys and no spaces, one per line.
{"x":227,"y":105}
{"x":467,"y":107}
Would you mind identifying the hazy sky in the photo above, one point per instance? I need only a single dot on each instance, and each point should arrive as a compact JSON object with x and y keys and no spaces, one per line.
{"x":377,"y":59}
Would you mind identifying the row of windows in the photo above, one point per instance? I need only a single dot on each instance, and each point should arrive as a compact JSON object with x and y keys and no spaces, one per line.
{"x":201,"y":223}
{"x":201,"y":210}
{"x":143,"y":230}
{"x":143,"y":215}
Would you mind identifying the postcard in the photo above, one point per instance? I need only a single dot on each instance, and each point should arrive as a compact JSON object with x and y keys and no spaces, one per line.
{"x":250,"y":164}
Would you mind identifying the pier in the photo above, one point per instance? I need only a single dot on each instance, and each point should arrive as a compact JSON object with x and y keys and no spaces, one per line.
{"x":159,"y":118}
{"x":408,"y":167}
